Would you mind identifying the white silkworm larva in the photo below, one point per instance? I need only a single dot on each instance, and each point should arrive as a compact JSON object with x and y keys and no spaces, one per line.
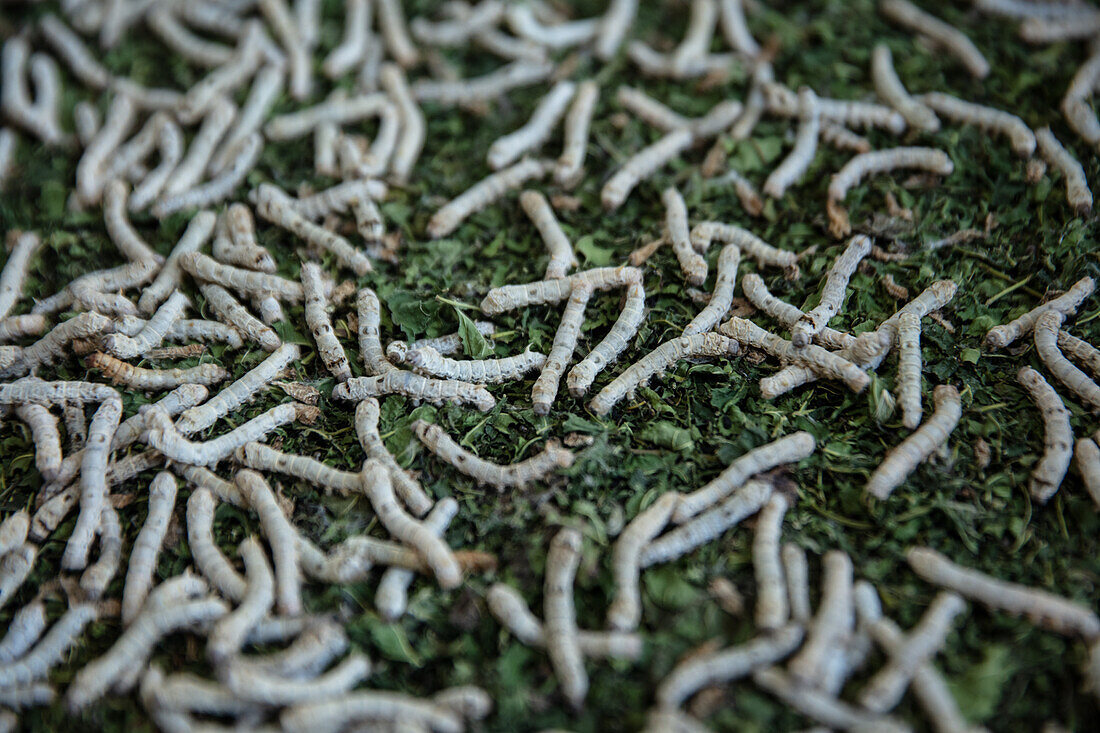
{"x":13,"y":532}
{"x":338,"y":198}
{"x":256,"y":686}
{"x":823,"y":707}
{"x":889,"y":87}
{"x":614,"y":27}
{"x":519,"y":474}
{"x":93,"y":482}
{"x":281,"y":537}
{"x":1019,"y":135}
{"x":239,"y":392}
{"x":89,"y":171}
{"x":772,"y":606}
{"x":46,"y":438}
{"x":152,"y":333}
{"x":788,"y":449}
{"x":832,"y":624}
{"x":72,"y":50}
{"x":728,"y":261}
{"x":632,"y":313}
{"x":219,"y":188}
{"x":726,"y":665}
{"x":575,"y":130}
{"x":429,"y":362}
{"x":483,"y":88}
{"x":531,"y":136}
{"x":524,"y":23}
{"x":832,"y":294}
{"x":164,"y":22}
{"x":513,"y":297}
{"x":407,"y":488}
{"x":434,"y":551}
{"x":1042,"y":608}
{"x":841,"y":138}
{"x":1048,"y":473}
{"x":649,"y":110}
{"x":169,"y":143}
{"x":14,"y":569}
{"x":652,"y":63}
{"x":97,"y":577}
{"x":229,"y":633}
{"x":413,"y":126}
{"x":203,"y":267}
{"x":46,"y":654}
{"x":28,"y":324}
{"x":561,"y":352}
{"x":76,"y":426}
{"x":119,"y":228}
{"x":337,"y":109}
{"x":230,"y":311}
{"x":798,"y":161}
{"x":391,"y":598}
{"x":411,"y":384}
{"x":824,"y":362}
{"x":560,"y":617}
{"x":208,"y":559}
{"x":538,"y":210}
{"x":24,"y":629}
{"x":999,"y":337}
{"x":731,"y":19}
{"x":33,"y":389}
{"x":782,"y":101}
{"x":482,"y":194}
{"x":883,"y":691}
{"x":766,"y":255}
{"x":320,"y":324}
{"x":462,"y":23}
{"x":53,"y":346}
{"x":692,"y":263}
{"x":164,"y":436}
{"x":1046,"y":329}
{"x":391,"y":22}
{"x":1087,"y":454}
{"x":906,"y":14}
{"x":40,"y":117}
{"x":909,"y":369}
{"x":264,"y":458}
{"x":1076,"y":104}
{"x":196,"y":235}
{"x":796,"y":573}
{"x":933,"y":433}
{"x":375,"y":706}
{"x":1077,"y":186}
{"x":357,"y":22}
{"x":15,"y":270}
{"x":697,"y":38}
{"x":275,"y":206}
{"x":788,"y":315}
{"x":183,"y":693}
{"x":238,"y":244}
{"x":642,"y":165}
{"x":369,"y":311}
{"x":143,"y":557}
{"x":625,"y":610}
{"x":265,"y":91}
{"x":1052,"y":30}
{"x":301,"y":75}
{"x":744,"y":502}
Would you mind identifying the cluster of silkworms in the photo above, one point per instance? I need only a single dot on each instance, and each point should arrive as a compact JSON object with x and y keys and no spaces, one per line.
{"x":230,"y":287}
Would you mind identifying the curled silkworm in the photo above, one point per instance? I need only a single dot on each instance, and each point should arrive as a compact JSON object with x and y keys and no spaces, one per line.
{"x":575,"y":128}
{"x":367,"y":413}
{"x":999,"y":337}
{"x":893,"y":92}
{"x":788,"y":449}
{"x":499,"y":476}
{"x":833,"y":623}
{"x":39,"y":118}
{"x":357,"y":22}
{"x":901,"y":460}
{"x":46,"y":438}
{"x":642,"y":165}
{"x":1018,"y":133}
{"x":235,"y":241}
{"x":1046,"y":329}
{"x":204,"y":267}
{"x":24,"y":629}
{"x":14,"y":569}
{"x":582,"y":375}
{"x":772,"y":606}
{"x":230,"y":311}
{"x":391,"y":22}
{"x":94,"y":291}
{"x":275,"y":206}
{"x":208,"y":559}
{"x":169,"y":143}
{"x":152,"y":332}
{"x":561,"y":352}
{"x":530,"y":137}
{"x":1077,"y":186}
{"x":513,"y":297}
{"x":657,"y":361}
{"x":704,"y":233}
{"x":795,"y":165}
{"x":788,"y":315}
{"x":727,"y":664}
{"x":1087,"y":454}
{"x":832,"y":294}
{"x":264,"y":458}
{"x":483,"y":88}
{"x":391,"y":598}
{"x":626,"y":610}
{"x":90,"y":170}
{"x":290,"y":38}
{"x":482,"y":194}
{"x":93,"y":482}
{"x":909,"y":369}
{"x":15,"y":270}
{"x":337,"y":109}
{"x":375,"y":706}
{"x":428,"y":361}
{"x":164,"y":436}
{"x":1042,"y":608}
{"x":905,"y":13}
{"x":725,"y":281}
{"x":692,"y":263}
{"x":281,"y":537}
{"x":239,"y":392}
{"x":97,"y":577}
{"x":143,"y":557}
{"x":411,"y":384}
{"x":731,"y":19}
{"x":540,"y":213}
{"x":435,"y":552}
{"x":266,"y":88}
{"x":119,"y":228}
{"x":1048,"y":473}
{"x":560,"y":616}
{"x":229,"y":633}
{"x":320,"y":324}
{"x":72,"y":50}
{"x":51,"y":650}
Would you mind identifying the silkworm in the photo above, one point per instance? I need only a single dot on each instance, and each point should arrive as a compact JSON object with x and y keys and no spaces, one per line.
{"x":796,"y":573}
{"x":540,"y":213}
{"x":429,"y":362}
{"x":154,"y":380}
{"x":229,"y":310}
{"x":513,"y":297}
{"x":575,"y":129}
{"x":1046,"y":329}
{"x":726,"y":279}
{"x":782,"y":101}
{"x":642,"y":165}
{"x":531,"y":136}
{"x":266,"y":88}
{"x":357,"y":22}
{"x":17,"y":327}
{"x":38,"y":694}
{"x":119,"y":229}
{"x":143,"y":557}
{"x":93,"y":482}
{"x":89,"y":170}
{"x":391,"y":22}
{"x":237,"y":244}
{"x":337,"y":109}
{"x":391,"y":598}
{"x":833,"y":623}
{"x":1018,"y":133}
{"x":933,"y":433}
{"x":883,"y":691}
{"x":649,"y":110}
{"x":521,"y":19}
{"x":168,"y":139}
{"x":841,"y":138}
{"x":267,"y":689}
{"x":53,"y":511}
{"x":1052,"y":30}
{"x":73,"y":52}
{"x":697,"y":38}
{"x":889,"y":87}
{"x":320,"y":325}
{"x":164,"y":436}
{"x":821,"y":706}
{"x":14,"y":569}
{"x":1087,"y":454}
{"x":47,"y":440}
{"x":239,"y":392}
{"x":463,"y":22}
{"x":731,"y":19}
{"x":1048,"y":473}
{"x":704,"y":233}
{"x":152,"y":332}
{"x":786,"y":314}
{"x":692,"y":264}
{"x":772,"y":607}
{"x":909,"y":369}
{"x":51,"y":650}
{"x":203,"y":267}
{"x":24,"y":629}
{"x":375,"y":706}
{"x":482,"y":194}
{"x":414,"y":386}
{"x":338,"y":198}
{"x":614,"y":26}
{"x":275,"y":206}
{"x":1076,"y":106}
{"x":661,"y":720}
{"x":368,"y":310}
{"x":218,"y":188}
{"x":434,"y":551}
{"x":1042,"y":608}
{"x":40,"y":117}
{"x":95,"y":579}
{"x":13,"y":532}
{"x":947,"y":36}
{"x":208,"y":559}
{"x":265,"y":458}
{"x":561,"y":352}
{"x":999,"y":337}
{"x":156,"y":99}
{"x":1077,"y":186}
{"x":162,"y":20}
{"x":76,"y":427}
{"x":626,"y":609}
{"x":755,"y":102}
{"x":189,"y":172}
{"x":516,"y":475}
{"x":407,"y":488}
{"x":560,"y":616}
{"x":33,"y":389}
{"x":879,"y":161}
{"x":798,"y":161}
{"x":15,"y":270}
{"x":228,"y":634}
{"x":788,"y":449}
{"x":183,"y":693}
{"x":743,"y":502}
{"x":412,"y":124}
{"x":300,"y":64}
{"x":832,"y":294}
{"x":367,"y":78}
{"x":582,"y":375}
{"x":652,"y":63}
{"x":727,"y":664}
{"x":281,"y":537}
